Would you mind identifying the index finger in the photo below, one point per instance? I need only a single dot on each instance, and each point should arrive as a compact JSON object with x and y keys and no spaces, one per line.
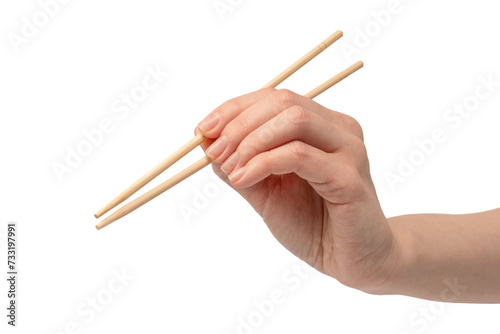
{"x":212,"y":125}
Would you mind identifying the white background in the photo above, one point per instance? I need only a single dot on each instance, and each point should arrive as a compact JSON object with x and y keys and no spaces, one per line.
{"x":204,"y":273}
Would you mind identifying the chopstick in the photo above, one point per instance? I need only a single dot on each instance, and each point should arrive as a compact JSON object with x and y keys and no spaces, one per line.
{"x":198,"y":139}
{"x":158,"y":190}
{"x":335,"y":80}
{"x":304,"y":60}
{"x":205,"y":161}
{"x":157,"y":170}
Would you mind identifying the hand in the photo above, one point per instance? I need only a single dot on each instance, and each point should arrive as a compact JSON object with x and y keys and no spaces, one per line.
{"x":305,"y":170}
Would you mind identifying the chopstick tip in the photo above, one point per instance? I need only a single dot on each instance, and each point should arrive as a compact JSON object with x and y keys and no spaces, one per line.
{"x":100,"y":226}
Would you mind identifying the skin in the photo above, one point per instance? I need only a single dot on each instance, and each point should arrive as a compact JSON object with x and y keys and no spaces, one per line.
{"x":305,"y":170}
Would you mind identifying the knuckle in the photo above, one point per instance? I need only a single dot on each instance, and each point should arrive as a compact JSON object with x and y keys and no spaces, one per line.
{"x":228,"y":107}
{"x":353,"y":126}
{"x":262,"y":136}
{"x":237,"y":125}
{"x":358,"y":146}
{"x":350,"y":184}
{"x":234,"y":131}
{"x":285,"y":98}
{"x":246,"y":149}
{"x":298,"y":115}
{"x":255,"y":141}
{"x":263,"y":161}
{"x":299,"y":150}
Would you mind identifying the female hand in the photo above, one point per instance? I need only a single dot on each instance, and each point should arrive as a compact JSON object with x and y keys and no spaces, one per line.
{"x":305,"y":170}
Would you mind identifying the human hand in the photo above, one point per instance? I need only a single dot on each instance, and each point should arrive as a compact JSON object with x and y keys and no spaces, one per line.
{"x":305,"y":170}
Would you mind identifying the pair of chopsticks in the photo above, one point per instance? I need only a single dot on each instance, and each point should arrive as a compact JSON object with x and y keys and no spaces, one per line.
{"x":198,"y":139}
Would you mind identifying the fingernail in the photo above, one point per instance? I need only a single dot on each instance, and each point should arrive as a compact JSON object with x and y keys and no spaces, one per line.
{"x":237,"y":174}
{"x":209,"y":123}
{"x":228,"y":166}
{"x":216,"y":149}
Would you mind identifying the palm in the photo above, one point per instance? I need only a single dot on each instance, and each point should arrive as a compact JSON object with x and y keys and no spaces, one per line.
{"x":292,"y":210}
{"x":311,"y":227}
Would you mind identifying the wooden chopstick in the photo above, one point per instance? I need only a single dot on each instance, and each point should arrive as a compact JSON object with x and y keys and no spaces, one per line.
{"x":304,"y":60}
{"x":198,"y":139}
{"x":205,"y":161}
{"x":169,"y":161}
{"x":334,"y":80}
{"x":138,"y":202}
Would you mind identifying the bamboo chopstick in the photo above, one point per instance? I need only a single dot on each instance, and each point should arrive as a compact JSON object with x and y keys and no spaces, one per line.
{"x":169,"y":161}
{"x":198,"y":139}
{"x":334,"y":80}
{"x":138,"y":202}
{"x":205,"y":161}
{"x":304,"y":60}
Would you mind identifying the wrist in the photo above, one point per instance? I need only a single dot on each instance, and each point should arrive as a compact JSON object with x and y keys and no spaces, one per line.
{"x":393,"y":267}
